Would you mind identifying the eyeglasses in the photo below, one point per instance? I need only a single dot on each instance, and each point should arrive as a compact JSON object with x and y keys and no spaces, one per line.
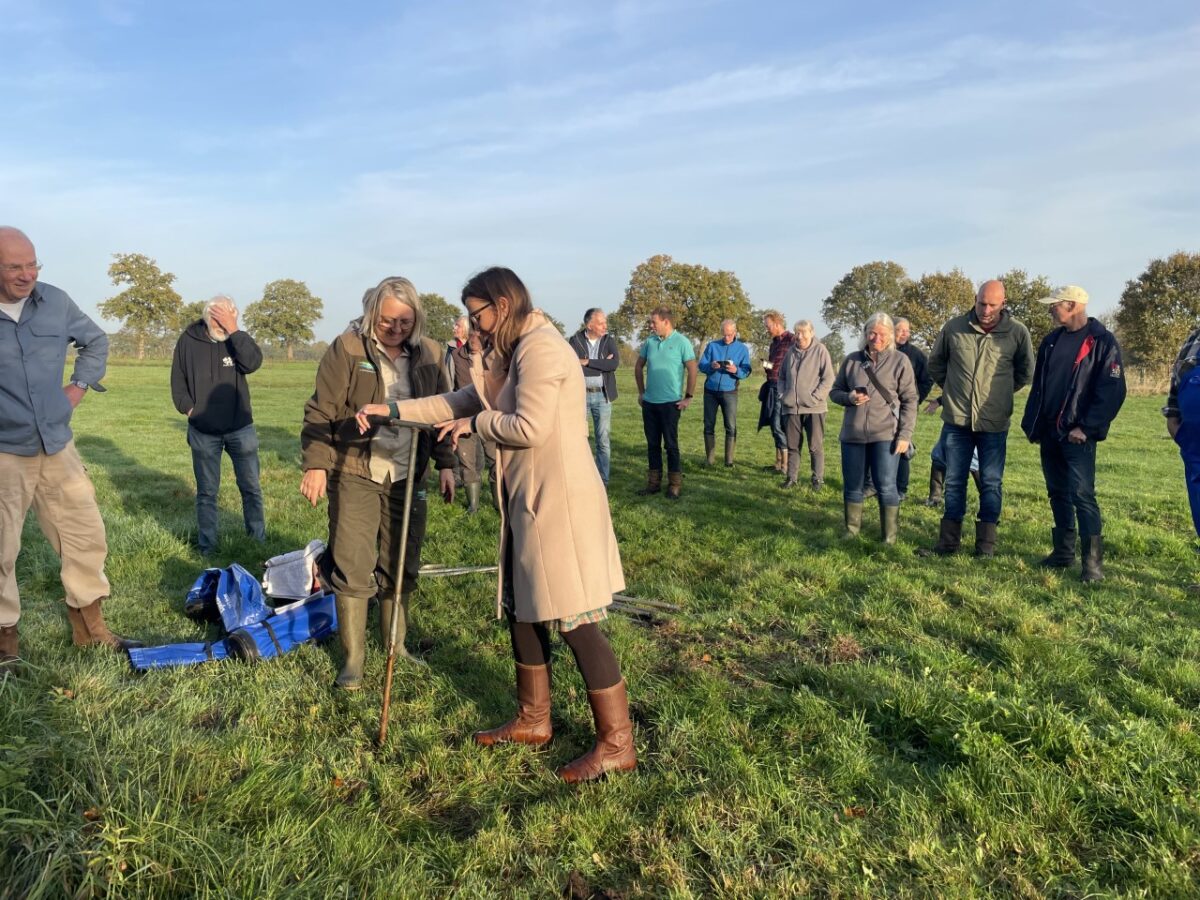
{"x":14,"y":268}
{"x":474,"y":317}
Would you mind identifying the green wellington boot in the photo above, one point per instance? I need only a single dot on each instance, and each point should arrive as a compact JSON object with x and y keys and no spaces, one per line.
{"x":352,"y":633}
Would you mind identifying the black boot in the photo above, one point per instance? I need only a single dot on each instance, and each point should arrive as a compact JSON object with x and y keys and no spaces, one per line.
{"x":985,"y":539}
{"x":937,"y":483}
{"x":1093,"y":558}
{"x":1063,"y":554}
{"x":949,"y":539}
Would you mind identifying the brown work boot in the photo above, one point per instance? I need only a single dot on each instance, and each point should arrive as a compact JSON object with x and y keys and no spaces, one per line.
{"x":985,"y":539}
{"x":653,"y":483}
{"x":10,"y":652}
{"x":674,"y":485}
{"x":710,"y":449}
{"x":613,"y":750}
{"x":88,"y":629}
{"x":532,"y":723}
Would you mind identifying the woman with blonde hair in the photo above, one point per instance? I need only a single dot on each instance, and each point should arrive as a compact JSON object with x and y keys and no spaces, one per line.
{"x":559,"y":565}
{"x":877,"y":387}
{"x":383,"y":355}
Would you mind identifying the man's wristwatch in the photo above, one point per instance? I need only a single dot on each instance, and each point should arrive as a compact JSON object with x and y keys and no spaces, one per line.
{"x":687,"y":396}
{"x":80,"y":384}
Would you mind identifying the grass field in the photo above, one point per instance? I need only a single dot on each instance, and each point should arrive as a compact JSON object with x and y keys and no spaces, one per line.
{"x":822,"y":717}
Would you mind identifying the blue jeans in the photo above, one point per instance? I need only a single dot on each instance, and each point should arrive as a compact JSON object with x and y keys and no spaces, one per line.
{"x":856,"y":458}
{"x":727,"y":402}
{"x":242,"y":447}
{"x":1070,"y":473}
{"x":600,"y":411}
{"x":992,"y":447}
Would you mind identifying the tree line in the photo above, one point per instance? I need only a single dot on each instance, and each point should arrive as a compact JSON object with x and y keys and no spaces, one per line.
{"x":1156,"y":312}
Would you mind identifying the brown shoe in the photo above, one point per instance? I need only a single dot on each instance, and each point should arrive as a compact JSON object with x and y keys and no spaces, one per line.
{"x":653,"y":482}
{"x":613,"y":750}
{"x":89,"y":629}
{"x":532,"y":723}
{"x":10,"y":653}
{"x":674,"y":485}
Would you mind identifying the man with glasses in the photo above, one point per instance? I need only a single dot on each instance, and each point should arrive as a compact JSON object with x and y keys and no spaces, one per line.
{"x":39,"y":465}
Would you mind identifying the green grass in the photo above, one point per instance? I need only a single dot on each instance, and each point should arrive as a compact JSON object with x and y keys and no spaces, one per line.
{"x":822,"y":718}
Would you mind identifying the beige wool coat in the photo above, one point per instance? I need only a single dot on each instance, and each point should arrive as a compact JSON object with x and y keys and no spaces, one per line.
{"x":554,"y":509}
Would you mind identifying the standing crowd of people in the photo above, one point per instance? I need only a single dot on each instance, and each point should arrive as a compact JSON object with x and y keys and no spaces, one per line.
{"x":509,"y":397}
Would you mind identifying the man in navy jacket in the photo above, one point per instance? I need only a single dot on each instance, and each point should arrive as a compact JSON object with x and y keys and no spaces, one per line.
{"x":599,"y":356}
{"x":208,"y":385}
{"x":1078,"y":389}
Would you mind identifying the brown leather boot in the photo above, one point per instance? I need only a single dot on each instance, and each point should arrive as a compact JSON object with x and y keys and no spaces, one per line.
{"x":88,"y":629}
{"x":710,"y":449}
{"x":532,"y":723}
{"x":674,"y":485}
{"x":613,"y":750}
{"x":653,"y":482}
{"x":10,"y":653}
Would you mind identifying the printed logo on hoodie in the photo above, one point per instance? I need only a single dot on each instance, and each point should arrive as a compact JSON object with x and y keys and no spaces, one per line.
{"x":227,"y":361}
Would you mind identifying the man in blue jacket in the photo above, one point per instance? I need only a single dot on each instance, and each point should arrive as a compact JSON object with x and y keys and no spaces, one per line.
{"x":208,"y":385}
{"x":599,"y":356}
{"x":39,"y":465}
{"x":724,"y":363}
{"x":1078,"y":389}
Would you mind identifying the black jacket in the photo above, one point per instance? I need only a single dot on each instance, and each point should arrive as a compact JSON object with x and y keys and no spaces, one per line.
{"x":209,"y":379}
{"x":1095,"y":394}
{"x":920,"y":367}
{"x":601,"y":365}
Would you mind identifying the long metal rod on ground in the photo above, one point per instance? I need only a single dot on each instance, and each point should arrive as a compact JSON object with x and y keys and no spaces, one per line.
{"x":657,"y":604}
{"x":431,"y":571}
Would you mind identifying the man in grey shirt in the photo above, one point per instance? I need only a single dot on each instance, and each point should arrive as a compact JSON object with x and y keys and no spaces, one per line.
{"x":39,"y":465}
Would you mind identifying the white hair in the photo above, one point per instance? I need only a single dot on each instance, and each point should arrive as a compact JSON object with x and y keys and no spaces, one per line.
{"x":879,"y":318}
{"x":221,"y":301}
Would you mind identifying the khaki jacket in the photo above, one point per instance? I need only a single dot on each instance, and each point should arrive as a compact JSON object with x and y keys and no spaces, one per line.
{"x":555,"y":509}
{"x":347,"y":379}
{"x":980,"y":372}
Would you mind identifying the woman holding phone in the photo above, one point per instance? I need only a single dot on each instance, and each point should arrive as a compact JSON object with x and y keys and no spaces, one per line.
{"x":559,"y":565}
{"x":877,"y":387}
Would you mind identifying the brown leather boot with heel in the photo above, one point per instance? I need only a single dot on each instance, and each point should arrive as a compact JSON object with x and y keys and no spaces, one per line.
{"x":614,"y":750}
{"x":532,"y":723}
{"x":88,"y":629}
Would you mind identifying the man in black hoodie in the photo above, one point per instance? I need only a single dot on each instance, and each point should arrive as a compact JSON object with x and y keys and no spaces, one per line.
{"x":208,"y":385}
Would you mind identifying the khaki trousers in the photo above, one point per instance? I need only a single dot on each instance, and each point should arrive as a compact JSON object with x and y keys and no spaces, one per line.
{"x":58,"y":488}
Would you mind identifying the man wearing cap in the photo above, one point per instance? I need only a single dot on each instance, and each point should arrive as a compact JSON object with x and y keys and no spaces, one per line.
{"x":39,"y":465}
{"x":981,"y":359}
{"x":1078,"y":388}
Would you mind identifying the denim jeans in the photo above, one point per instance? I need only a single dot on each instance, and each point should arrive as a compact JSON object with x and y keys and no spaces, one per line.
{"x":992,"y":447}
{"x":882,"y":461}
{"x":777,"y":431}
{"x":242,"y":447}
{"x":600,"y":412}
{"x":1070,"y":472}
{"x":660,"y":421}
{"x":727,"y":401}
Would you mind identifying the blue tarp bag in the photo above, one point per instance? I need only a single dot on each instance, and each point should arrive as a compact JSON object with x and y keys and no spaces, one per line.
{"x":310,"y":620}
{"x":250,"y":629}
{"x":170,"y":656}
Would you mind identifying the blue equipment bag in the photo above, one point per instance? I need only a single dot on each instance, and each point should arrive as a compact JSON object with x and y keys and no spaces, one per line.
{"x":250,"y":629}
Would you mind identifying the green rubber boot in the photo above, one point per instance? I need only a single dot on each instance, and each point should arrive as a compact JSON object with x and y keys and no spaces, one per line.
{"x":385,"y":623}
{"x":352,"y":633}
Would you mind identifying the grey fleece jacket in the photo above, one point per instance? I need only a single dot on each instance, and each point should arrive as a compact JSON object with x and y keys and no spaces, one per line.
{"x":873,"y":421}
{"x":806,"y":379}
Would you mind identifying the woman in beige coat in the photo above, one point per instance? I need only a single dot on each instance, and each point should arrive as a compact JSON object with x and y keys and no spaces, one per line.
{"x":559,"y":565}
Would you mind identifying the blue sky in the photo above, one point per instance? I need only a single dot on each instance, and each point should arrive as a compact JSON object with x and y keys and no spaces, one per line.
{"x":787,"y":142}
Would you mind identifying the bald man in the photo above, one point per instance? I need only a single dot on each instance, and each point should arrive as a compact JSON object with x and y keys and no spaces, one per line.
{"x":39,"y":465}
{"x":980,"y":359}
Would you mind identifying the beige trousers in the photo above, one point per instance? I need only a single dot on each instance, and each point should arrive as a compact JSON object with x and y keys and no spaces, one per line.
{"x":62,"y":495}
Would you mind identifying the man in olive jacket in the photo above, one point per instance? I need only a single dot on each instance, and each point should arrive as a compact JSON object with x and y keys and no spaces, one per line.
{"x":980,"y":359}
